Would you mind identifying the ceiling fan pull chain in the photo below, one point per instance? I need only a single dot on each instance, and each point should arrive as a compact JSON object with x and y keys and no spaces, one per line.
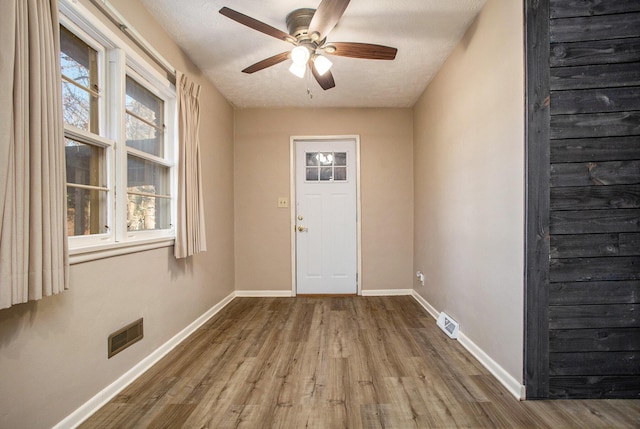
{"x":309,"y":92}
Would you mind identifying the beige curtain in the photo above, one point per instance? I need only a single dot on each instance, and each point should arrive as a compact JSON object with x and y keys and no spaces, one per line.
{"x":190,"y":232}
{"x":33,"y":243}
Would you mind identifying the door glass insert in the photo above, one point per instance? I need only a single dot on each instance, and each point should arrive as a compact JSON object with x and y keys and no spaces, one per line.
{"x":326,"y":166}
{"x":312,"y":174}
{"x":312,"y":158}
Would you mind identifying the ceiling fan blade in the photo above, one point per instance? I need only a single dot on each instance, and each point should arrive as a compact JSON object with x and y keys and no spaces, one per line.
{"x":326,"y":80}
{"x":327,"y":16}
{"x":271,"y":61}
{"x":361,"y":50}
{"x":256,"y":25}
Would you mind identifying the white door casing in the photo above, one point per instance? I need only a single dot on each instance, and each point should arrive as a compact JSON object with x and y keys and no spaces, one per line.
{"x":325,"y":215}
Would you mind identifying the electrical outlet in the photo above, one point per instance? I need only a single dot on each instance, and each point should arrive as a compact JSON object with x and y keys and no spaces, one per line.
{"x":420,"y":277}
{"x":283,"y":202}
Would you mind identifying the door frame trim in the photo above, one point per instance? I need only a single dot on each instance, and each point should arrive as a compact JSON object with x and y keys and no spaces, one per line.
{"x":292,"y":207}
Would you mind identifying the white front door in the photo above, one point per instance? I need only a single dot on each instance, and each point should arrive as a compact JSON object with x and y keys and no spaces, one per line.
{"x":326,"y":211}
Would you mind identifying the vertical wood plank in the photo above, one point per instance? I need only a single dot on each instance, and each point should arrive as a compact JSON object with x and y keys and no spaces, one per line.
{"x":537,"y":126}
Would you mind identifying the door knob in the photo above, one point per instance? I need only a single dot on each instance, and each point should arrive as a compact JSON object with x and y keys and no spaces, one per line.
{"x":302,"y":229}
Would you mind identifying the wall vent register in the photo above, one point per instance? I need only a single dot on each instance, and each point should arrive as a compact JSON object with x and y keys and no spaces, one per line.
{"x":448,"y":325}
{"x":125,"y":337}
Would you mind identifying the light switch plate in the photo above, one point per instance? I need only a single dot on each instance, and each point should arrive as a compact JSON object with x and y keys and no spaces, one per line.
{"x":283,"y":202}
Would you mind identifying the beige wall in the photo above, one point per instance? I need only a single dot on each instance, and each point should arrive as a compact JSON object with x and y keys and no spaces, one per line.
{"x":53,"y":355}
{"x":469,"y":189}
{"x":263,"y":231}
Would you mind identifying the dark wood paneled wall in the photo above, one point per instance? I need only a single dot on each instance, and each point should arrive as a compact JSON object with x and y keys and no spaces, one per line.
{"x":593,"y":300}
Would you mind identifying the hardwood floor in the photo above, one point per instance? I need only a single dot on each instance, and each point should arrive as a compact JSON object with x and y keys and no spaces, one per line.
{"x":347,"y":362}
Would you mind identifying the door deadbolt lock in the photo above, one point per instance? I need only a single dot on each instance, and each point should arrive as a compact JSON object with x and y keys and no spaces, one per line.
{"x":300,"y":217}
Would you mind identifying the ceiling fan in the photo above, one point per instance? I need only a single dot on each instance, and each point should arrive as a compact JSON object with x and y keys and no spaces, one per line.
{"x":308,"y":30}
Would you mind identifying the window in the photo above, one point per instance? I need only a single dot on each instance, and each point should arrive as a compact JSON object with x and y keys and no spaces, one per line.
{"x":148,"y":169}
{"x":326,"y":166}
{"x":85,"y":152}
{"x":119,"y":139}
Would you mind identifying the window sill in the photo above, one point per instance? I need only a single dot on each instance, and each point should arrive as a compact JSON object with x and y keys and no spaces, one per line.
{"x":92,"y":253}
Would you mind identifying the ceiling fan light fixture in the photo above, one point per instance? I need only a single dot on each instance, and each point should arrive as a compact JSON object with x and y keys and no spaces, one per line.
{"x":298,"y":69}
{"x":322,"y":64}
{"x":300,"y":55}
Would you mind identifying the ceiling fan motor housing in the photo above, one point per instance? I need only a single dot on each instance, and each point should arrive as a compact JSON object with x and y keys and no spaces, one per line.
{"x":298,"y":23}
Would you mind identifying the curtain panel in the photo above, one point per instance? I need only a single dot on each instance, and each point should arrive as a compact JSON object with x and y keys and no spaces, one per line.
{"x":33,"y":242}
{"x":190,"y":230}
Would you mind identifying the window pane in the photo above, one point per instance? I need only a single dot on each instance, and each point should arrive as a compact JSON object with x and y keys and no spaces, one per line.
{"x":143,"y":137}
{"x":340,"y":158}
{"x":147,"y":213}
{"x":76,"y":104}
{"x":325,"y":158}
{"x":144,"y":180}
{"x":85,"y":163}
{"x":312,"y":158}
{"x":145,"y":114}
{"x":326,"y":173}
{"x":340,"y":173}
{"x":146,"y":176}
{"x":86,"y":211}
{"x":86,"y":208}
{"x":78,"y":63}
{"x":312,"y":174}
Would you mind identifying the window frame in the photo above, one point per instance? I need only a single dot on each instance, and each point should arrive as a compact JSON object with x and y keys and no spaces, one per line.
{"x":170,"y":148}
{"x":117,"y":59}
{"x":103,"y":139}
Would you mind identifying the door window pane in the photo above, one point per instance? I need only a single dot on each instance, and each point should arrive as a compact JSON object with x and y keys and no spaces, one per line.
{"x":311,"y":158}
{"x":312,"y":174}
{"x":326,"y":173}
{"x":144,"y":124}
{"x":339,"y":158}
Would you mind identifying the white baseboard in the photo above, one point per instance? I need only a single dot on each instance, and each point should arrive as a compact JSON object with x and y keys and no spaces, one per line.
{"x":507,"y":380}
{"x":263,"y":293}
{"x":105,"y":395}
{"x":430,"y":308}
{"x":387,"y":292}
{"x":512,"y":385}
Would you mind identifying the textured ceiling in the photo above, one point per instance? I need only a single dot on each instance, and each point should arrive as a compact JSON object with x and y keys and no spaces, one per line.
{"x":424,"y":31}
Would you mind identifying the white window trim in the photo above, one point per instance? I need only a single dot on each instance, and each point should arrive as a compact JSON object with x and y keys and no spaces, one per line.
{"x":116,"y":59}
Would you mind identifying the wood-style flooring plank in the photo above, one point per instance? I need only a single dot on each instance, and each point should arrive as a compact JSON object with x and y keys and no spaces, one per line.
{"x":334,"y":362}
